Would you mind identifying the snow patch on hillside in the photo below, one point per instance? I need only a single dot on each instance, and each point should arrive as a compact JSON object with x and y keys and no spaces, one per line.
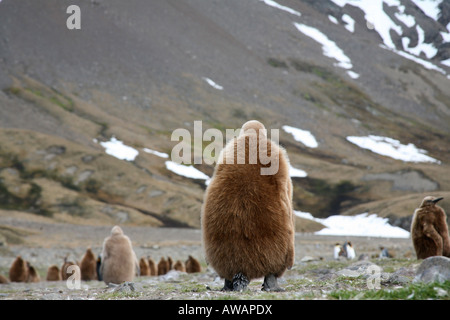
{"x":117,"y":149}
{"x":303,"y":136}
{"x":213,"y":84}
{"x":392,"y":148}
{"x":156,"y":153}
{"x":329,"y":48}
{"x":279,"y":6}
{"x":297,"y":173}
{"x":382,"y":23}
{"x":364,"y":225}
{"x":185,"y":171}
{"x":429,"y":7}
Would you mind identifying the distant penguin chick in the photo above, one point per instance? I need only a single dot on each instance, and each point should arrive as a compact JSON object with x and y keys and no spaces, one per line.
{"x":429,"y":229}
{"x":88,"y":266}
{"x":192,"y":265}
{"x":163,"y":266}
{"x":152,"y":267}
{"x":170,"y":262}
{"x":145,"y":268}
{"x":33,"y":276}
{"x":53,"y":273}
{"x":247,"y":217}
{"x":65,"y":272}
{"x":3,"y":280}
{"x":119,"y":261}
{"x":179,"y":266}
{"x":19,"y":270}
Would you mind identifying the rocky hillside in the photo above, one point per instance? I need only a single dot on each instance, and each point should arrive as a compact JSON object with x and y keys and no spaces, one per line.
{"x":354,"y":74}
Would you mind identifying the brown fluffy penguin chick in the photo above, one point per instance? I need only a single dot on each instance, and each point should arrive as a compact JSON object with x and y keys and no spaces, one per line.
{"x":19,"y":270}
{"x":3,"y":279}
{"x":145,"y":269}
{"x":33,"y":276}
{"x":88,"y":266}
{"x":119,"y":261}
{"x":170,"y":263}
{"x":65,"y":274}
{"x":163,"y":266}
{"x":247,"y":217}
{"x":53,"y":273}
{"x":152,"y":267}
{"x":192,"y":265}
{"x":179,"y":266}
{"x":429,"y":229}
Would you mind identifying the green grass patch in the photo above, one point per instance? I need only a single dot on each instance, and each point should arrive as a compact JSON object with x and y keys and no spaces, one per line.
{"x":413,"y":291}
{"x":277,"y":63}
{"x":193,"y":287}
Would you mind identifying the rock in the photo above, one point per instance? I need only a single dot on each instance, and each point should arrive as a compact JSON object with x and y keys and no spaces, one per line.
{"x":71,"y":170}
{"x":83,"y":176}
{"x":364,"y":257}
{"x":433,"y":269}
{"x":155,"y":193}
{"x":87,"y":158}
{"x":51,"y":296}
{"x":172,"y":275}
{"x":397,"y":279}
{"x":308,"y":259}
{"x":125,"y":287}
{"x":56,"y":149}
{"x":359,"y":268}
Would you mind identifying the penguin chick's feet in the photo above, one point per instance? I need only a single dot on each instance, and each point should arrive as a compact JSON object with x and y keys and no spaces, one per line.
{"x":271,"y":284}
{"x":240,"y":282}
{"x":228,"y":286}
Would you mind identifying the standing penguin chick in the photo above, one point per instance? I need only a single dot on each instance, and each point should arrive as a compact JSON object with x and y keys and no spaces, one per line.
{"x":145,"y":269}
{"x":19,"y":270}
{"x":247,"y":218}
{"x":119,"y":262}
{"x":33,"y":276}
{"x":192,"y":265}
{"x":3,"y":279}
{"x":163,"y":266}
{"x":153,"y":267}
{"x":179,"y":266}
{"x":170,"y":263}
{"x":65,"y":274}
{"x":429,"y":230}
{"x":88,"y":266}
{"x":53,"y":273}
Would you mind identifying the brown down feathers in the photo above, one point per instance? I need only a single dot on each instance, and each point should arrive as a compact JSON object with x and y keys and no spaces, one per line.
{"x":247,"y":218}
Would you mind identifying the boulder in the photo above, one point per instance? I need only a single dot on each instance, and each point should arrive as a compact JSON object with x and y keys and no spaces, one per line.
{"x":433,"y":269}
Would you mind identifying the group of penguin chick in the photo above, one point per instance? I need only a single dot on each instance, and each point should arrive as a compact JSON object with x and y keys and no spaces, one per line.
{"x":90,"y":268}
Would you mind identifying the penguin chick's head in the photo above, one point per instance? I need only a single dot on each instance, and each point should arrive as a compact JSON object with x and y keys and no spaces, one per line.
{"x":116,"y":231}
{"x":253,"y":126}
{"x":430,"y":201}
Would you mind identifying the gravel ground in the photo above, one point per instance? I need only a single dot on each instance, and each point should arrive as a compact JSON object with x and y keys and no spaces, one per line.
{"x":48,"y":243}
